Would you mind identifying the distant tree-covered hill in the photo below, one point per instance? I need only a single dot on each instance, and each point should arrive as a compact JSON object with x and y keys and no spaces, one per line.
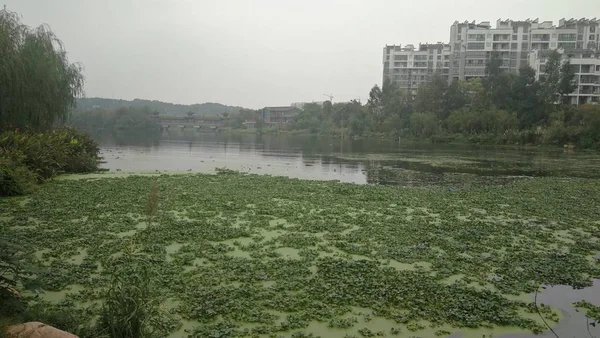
{"x":166,"y":108}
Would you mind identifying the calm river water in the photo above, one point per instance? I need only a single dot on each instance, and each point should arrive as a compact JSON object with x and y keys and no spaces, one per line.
{"x":354,"y":161}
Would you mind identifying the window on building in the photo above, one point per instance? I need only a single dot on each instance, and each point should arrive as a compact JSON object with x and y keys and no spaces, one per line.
{"x":476,"y":37}
{"x":592,"y":29}
{"x":598,"y":68}
{"x":513,"y":45}
{"x":515,"y":37}
{"x":592,"y":37}
{"x":542,"y":46}
{"x":431,"y":57}
{"x":524,"y":46}
{"x":525,"y":37}
{"x":439,"y":58}
{"x":579,"y":37}
{"x":568,"y":37}
{"x":515,"y":29}
{"x":525,"y":29}
{"x":401,"y":57}
{"x":567,"y":45}
{"x":476,"y":45}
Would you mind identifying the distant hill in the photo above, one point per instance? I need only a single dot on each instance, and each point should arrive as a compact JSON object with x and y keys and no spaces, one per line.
{"x":207,"y":108}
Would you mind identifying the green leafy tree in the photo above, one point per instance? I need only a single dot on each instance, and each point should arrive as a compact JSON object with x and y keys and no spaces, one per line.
{"x":38,"y":84}
{"x":566,"y":83}
{"x":375,"y":105}
{"x":493,"y":66}
{"x":497,"y":82}
{"x":551,"y":78}
{"x":424,"y":124}
{"x":473,"y":93}
{"x":361,"y":123}
{"x":524,"y":98}
{"x":327,"y":110}
{"x":431,"y":97}
{"x":454,"y":98}
{"x":260,"y":124}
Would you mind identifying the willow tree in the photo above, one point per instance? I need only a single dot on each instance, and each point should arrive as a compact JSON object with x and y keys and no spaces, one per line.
{"x":38,"y":84}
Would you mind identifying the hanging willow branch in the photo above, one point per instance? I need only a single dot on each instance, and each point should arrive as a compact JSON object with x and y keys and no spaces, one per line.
{"x":38,"y":84}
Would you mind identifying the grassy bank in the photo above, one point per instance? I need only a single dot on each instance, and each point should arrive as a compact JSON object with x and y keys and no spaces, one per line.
{"x":239,"y":255}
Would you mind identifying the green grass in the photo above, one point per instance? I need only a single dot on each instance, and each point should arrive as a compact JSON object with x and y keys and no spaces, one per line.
{"x":243,"y":255}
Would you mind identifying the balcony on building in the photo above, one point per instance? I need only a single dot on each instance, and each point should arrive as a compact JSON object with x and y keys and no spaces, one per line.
{"x":501,"y":46}
{"x":476,"y":37}
{"x":589,"y":80}
{"x":586,"y":69}
{"x":540,"y":46}
{"x":589,"y":90}
{"x":567,"y":37}
{"x":501,"y":37}
{"x":540,"y":37}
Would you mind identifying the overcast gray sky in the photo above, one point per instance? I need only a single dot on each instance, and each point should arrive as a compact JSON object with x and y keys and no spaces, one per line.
{"x":256,"y":53}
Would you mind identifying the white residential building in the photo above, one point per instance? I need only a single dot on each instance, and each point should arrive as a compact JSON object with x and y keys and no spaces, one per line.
{"x":473,"y":43}
{"x":585,"y":64}
{"x":408,"y":67}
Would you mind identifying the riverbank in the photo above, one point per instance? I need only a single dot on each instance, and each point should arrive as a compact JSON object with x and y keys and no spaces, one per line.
{"x":243,"y":254}
{"x":512,"y":139}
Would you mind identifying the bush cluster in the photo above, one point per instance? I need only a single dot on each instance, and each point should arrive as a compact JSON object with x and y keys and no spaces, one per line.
{"x":29,"y":158}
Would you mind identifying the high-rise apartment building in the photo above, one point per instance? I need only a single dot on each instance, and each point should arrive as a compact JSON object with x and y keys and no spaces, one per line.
{"x":473,"y":43}
{"x":586,"y":66}
{"x":517,"y":43}
{"x":408,"y":67}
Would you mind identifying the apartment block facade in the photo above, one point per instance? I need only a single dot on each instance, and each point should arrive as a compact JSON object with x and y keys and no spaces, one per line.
{"x":473,"y":43}
{"x":518,"y":43}
{"x":408,"y":67}
{"x":586,"y":66}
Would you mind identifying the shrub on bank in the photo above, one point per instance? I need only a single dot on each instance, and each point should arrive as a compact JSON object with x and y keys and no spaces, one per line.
{"x":28,"y":158}
{"x":15,"y":178}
